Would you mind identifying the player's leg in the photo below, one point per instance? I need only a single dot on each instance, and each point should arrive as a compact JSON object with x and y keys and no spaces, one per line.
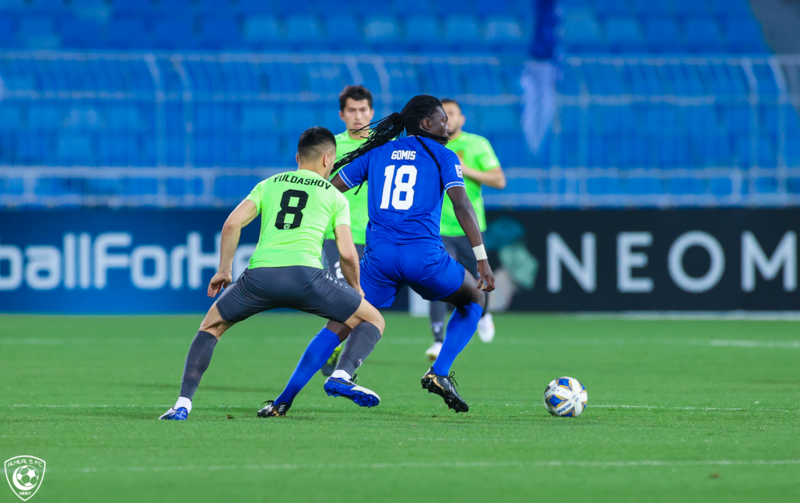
{"x":330,"y":299}
{"x":438,"y":310}
{"x":231,"y":307}
{"x":330,"y":256}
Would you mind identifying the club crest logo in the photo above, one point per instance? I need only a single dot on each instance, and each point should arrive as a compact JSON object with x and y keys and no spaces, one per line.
{"x":24,"y":475}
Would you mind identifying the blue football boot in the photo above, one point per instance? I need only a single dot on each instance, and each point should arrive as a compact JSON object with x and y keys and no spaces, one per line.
{"x":179,"y":414}
{"x":349,"y":389}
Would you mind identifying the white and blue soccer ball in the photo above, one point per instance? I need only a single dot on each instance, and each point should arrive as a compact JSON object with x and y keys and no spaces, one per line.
{"x":565,"y":397}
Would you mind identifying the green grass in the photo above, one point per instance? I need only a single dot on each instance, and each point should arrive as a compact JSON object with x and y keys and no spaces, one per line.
{"x":110,"y":378}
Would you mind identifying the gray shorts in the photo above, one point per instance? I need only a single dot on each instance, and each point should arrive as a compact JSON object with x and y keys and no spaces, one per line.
{"x":460,"y":249}
{"x":330,"y":258}
{"x":306,"y":289}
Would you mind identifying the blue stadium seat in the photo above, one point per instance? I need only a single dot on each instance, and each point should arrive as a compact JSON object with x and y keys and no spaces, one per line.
{"x":766,"y":185}
{"x":48,"y":7}
{"x":6,"y":32}
{"x":10,"y":117}
{"x":44,"y":117}
{"x":504,"y":34}
{"x":690,"y":8}
{"x":264,"y":32}
{"x":656,"y":9}
{"x":703,"y":35}
{"x":582,"y":35}
{"x":37,"y":33}
{"x":13,"y":6}
{"x":259,"y":150}
{"x":256,"y":7}
{"x":220,"y":34}
{"x":662,"y":36}
{"x":461,"y":34}
{"x":607,"y":8}
{"x":122,"y":117}
{"x":343,"y":32}
{"x":623,"y":35}
{"x":303,"y":32}
{"x":174,"y":8}
{"x":94,"y":9}
{"x":75,"y":149}
{"x":405,"y":8}
{"x":215,"y":8}
{"x":419,"y":29}
{"x":170,"y":33}
{"x":118,"y":150}
{"x":645,"y":186}
{"x":731,"y":9}
{"x":127,"y":33}
{"x":686,"y":186}
{"x":744,"y":36}
{"x":81,"y":34}
{"x":124,"y":8}
{"x":381,"y":32}
{"x":214,"y":118}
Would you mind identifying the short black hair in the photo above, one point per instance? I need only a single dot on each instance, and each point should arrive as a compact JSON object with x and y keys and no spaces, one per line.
{"x":313,"y":141}
{"x":356,"y":93}
{"x":451,"y":100}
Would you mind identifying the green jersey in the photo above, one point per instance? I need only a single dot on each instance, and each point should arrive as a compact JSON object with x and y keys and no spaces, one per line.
{"x":296,"y":209}
{"x":476,"y":153}
{"x":359,"y":210}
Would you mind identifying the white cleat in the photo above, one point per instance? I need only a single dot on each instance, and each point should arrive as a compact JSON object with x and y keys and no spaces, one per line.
{"x":433,"y":351}
{"x":486,"y":328}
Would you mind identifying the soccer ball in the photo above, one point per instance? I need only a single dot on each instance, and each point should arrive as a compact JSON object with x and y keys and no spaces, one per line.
{"x":565,"y":397}
{"x":28,"y":476}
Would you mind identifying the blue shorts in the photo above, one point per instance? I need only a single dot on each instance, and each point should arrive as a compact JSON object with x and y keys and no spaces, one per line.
{"x":425,"y":267}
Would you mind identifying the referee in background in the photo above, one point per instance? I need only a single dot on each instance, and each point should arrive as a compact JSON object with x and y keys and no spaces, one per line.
{"x":480,"y":166}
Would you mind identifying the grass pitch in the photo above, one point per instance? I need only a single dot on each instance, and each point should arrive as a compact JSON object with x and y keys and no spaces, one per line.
{"x":678,"y":411}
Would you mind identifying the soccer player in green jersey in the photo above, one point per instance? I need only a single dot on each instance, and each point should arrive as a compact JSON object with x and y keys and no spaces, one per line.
{"x":355,"y":110}
{"x":285,"y":271}
{"x":480,"y":167}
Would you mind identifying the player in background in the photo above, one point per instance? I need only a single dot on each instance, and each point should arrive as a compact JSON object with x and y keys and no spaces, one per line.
{"x":285,"y":270}
{"x":355,"y":110}
{"x":408,"y":178}
{"x":480,"y":167}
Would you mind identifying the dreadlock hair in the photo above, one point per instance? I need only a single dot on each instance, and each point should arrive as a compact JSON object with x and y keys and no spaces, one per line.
{"x":391,"y":127}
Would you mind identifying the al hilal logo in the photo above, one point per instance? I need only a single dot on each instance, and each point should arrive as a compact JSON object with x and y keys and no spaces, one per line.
{"x":25,"y":475}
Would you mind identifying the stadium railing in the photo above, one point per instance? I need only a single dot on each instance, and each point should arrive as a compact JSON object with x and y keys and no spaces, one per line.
{"x":196,"y":129}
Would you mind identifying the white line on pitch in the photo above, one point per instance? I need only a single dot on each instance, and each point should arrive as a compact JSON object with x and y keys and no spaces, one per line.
{"x":211,"y":407}
{"x":466,"y":464}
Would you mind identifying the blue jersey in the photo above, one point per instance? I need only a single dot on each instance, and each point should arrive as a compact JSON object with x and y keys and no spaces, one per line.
{"x":405,"y":189}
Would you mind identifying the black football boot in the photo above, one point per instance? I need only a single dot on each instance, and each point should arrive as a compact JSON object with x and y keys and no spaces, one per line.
{"x":274,"y":410}
{"x":445,"y":387}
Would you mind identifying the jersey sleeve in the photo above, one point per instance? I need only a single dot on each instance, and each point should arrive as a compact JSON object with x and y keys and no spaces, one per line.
{"x":355,"y":173}
{"x":255,"y":195}
{"x":451,"y":170}
{"x":341,"y":211}
{"x":486,"y":159}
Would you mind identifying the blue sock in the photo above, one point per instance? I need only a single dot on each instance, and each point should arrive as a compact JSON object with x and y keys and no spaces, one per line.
{"x":460,"y":328}
{"x":315,"y":356}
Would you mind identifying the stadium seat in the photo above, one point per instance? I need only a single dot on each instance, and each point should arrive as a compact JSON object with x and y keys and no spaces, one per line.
{"x":731,"y":9}
{"x":703,"y":35}
{"x":303,"y":32}
{"x":461,"y":34}
{"x":6,"y":32}
{"x":381,"y":32}
{"x":504,"y":34}
{"x":13,"y":6}
{"x":171,"y":33}
{"x":662,"y":36}
{"x":610,"y":8}
{"x":623,"y":35}
{"x":255,"y":7}
{"x":744,"y":36}
{"x":138,"y":8}
{"x":343,"y":33}
{"x":216,"y":8}
{"x":90,"y":9}
{"x":418,"y":30}
{"x":654,"y":9}
{"x":412,"y":8}
{"x":264,"y":32}
{"x":174,"y":8}
{"x":81,"y":34}
{"x":37,"y":33}
{"x":75,"y":149}
{"x":219,"y":34}
{"x":582,"y":35}
{"x":127,"y":33}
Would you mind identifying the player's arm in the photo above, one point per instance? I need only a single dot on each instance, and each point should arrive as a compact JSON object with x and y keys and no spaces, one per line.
{"x":348,"y":256}
{"x":494,"y":177}
{"x":469,"y":222}
{"x":239,"y":218}
{"x":339,"y":183}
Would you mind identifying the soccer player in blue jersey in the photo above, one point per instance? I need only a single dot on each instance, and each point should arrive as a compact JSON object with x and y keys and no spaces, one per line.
{"x":407,"y":178}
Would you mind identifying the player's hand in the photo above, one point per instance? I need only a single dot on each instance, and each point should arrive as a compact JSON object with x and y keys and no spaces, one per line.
{"x":218,"y":282}
{"x":486,"y":283}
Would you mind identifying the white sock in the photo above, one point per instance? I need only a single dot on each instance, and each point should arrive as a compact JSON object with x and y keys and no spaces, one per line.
{"x":341,"y":374}
{"x":183,"y":402}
